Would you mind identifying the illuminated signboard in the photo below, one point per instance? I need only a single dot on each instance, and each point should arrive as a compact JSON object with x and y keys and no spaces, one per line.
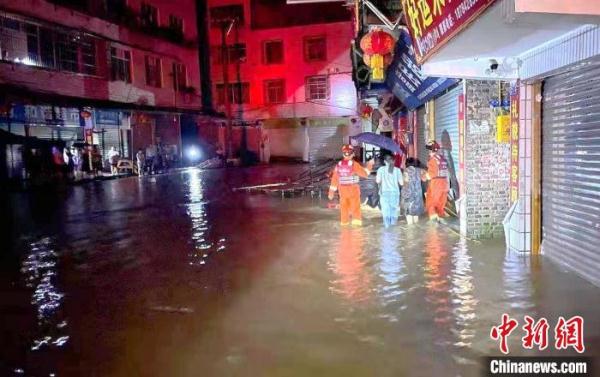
{"x":434,"y":22}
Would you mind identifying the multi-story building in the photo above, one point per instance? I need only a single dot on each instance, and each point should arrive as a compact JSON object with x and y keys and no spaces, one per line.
{"x":289,"y":70}
{"x":127,"y":68}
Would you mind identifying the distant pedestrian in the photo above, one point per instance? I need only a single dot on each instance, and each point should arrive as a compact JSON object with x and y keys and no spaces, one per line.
{"x":113,"y":159}
{"x":96,"y":161}
{"x":140,"y":160}
{"x":389,"y":178}
{"x":77,"y":163}
{"x":412,"y":194}
{"x":58,"y":161}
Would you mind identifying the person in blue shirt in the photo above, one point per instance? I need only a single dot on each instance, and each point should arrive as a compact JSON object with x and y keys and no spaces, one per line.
{"x":389,"y":179}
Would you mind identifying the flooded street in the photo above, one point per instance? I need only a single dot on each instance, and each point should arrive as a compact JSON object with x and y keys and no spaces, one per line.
{"x":176,"y":275}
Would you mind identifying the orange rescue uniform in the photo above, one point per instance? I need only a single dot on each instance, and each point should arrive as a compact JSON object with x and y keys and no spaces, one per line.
{"x":344,"y":179}
{"x":437,"y":191}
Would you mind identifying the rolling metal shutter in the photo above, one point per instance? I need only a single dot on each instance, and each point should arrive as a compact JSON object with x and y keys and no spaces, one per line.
{"x":105,"y":139}
{"x":325,"y":142}
{"x":446,"y":131}
{"x":571,"y":169}
{"x":71,"y":134}
{"x":422,"y":154}
{"x":446,"y":124}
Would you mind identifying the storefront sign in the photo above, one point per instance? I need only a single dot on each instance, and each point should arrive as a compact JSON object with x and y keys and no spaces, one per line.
{"x":514,"y":143}
{"x":461,"y":142}
{"x":432,"y":23}
{"x":108,"y":118}
{"x":405,"y":80}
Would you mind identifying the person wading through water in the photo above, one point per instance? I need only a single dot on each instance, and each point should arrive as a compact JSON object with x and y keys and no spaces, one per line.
{"x":344,"y":179}
{"x":389,"y":179}
{"x":437,"y":190}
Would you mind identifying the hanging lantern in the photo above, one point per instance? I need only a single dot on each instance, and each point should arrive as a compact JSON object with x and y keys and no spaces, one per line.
{"x":378,"y":47}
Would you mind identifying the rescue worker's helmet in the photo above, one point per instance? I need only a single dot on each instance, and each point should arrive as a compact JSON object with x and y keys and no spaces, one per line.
{"x":347,"y":150}
{"x":432,"y":145}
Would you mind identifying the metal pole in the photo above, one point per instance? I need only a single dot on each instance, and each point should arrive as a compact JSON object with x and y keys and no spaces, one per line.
{"x":225,"y":26}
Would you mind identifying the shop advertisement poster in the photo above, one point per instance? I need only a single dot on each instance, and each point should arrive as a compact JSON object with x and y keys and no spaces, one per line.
{"x":405,"y":80}
{"x":514,"y":143}
{"x":432,"y":23}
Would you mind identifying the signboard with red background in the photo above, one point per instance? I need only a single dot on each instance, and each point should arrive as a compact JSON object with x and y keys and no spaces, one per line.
{"x":432,"y":23}
{"x":514,"y":143}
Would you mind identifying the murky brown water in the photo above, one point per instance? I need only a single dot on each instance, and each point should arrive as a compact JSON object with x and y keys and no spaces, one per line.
{"x":177,"y":276}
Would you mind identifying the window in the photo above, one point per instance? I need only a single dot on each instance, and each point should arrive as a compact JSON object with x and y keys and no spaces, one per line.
{"x":76,"y":53}
{"x":236,"y":53}
{"x":226,"y":13}
{"x":153,"y":72}
{"x":273,"y":52}
{"x":149,"y":15}
{"x":274,"y":91}
{"x":176,"y":24}
{"x":120,"y":64}
{"x":239,"y":93}
{"x":179,"y":77}
{"x":315,"y":49}
{"x":33,"y":44}
{"x":317,"y":88}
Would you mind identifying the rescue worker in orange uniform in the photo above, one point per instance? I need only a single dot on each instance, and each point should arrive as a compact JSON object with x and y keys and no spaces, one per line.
{"x":437,"y":175}
{"x":345,"y":179}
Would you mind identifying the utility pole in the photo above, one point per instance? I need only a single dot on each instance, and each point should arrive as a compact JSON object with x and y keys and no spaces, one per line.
{"x":226,"y":26}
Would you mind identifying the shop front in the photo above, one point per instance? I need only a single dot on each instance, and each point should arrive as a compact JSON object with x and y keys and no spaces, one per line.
{"x":111,"y":130}
{"x":553,"y":62}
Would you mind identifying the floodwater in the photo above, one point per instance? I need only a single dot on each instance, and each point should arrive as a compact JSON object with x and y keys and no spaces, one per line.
{"x":176,"y":275}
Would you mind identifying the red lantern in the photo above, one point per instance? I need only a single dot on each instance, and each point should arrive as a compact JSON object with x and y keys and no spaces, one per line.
{"x":378,"y":47}
{"x":377,"y":42}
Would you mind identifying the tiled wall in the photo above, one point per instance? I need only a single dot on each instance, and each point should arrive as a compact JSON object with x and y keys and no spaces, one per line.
{"x":520,"y":222}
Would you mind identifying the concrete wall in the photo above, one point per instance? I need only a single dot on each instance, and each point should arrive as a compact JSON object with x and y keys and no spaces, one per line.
{"x":487,"y":163}
{"x":293,"y":70}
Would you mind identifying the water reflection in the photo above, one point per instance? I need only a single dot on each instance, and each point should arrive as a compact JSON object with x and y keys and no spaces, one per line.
{"x":352,"y":277}
{"x":517,"y":281}
{"x":196,"y":210}
{"x":39,"y":269}
{"x":392,"y":270}
{"x":463,"y":297}
{"x":436,"y":274}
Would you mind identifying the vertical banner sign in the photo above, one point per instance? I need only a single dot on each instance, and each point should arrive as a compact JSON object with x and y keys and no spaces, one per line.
{"x":432,"y":23}
{"x":461,"y":144}
{"x":514,"y":143}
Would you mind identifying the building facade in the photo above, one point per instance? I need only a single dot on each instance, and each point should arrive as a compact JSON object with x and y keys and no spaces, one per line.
{"x":290,"y":76}
{"x":132,"y":66}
